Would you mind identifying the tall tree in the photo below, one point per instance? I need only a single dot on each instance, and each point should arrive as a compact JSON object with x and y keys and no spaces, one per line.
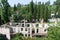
{"x":32,"y":9}
{"x":35,"y":14}
{"x":57,"y":3}
{"x":5,"y":14}
{"x":18,"y":6}
{"x":42,"y":11}
{"x":15,"y":14}
{"x":39,"y":9}
{"x":15,"y":8}
{"x":46,"y":14}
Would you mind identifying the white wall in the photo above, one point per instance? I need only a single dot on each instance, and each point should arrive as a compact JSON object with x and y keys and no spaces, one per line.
{"x":5,"y":31}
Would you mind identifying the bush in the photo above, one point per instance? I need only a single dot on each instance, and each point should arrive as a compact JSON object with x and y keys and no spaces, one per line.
{"x":18,"y":36}
{"x":53,"y":33}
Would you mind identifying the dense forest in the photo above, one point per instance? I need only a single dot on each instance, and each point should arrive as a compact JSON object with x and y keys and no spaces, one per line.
{"x":29,"y":11}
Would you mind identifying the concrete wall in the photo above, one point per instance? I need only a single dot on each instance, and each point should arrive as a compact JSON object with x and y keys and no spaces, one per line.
{"x":26,"y":31}
{"x":17,"y":29}
{"x":6,"y":32}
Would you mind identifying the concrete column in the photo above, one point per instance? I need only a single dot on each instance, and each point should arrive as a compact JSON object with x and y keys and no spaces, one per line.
{"x":35,"y":30}
{"x":8,"y":33}
{"x":30,"y":32}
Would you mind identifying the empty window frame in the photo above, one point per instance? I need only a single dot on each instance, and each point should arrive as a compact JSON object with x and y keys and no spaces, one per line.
{"x":37,"y":25}
{"x":25,"y":29}
{"x":21,"y":29}
{"x":28,"y":25}
{"x":22,"y":25}
{"x":26,"y":35}
{"x":28,"y":30}
{"x":37,"y":30}
{"x":45,"y":30}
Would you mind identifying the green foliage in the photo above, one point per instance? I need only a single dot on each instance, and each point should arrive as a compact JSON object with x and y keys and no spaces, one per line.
{"x":54,"y":33}
{"x":15,"y":8}
{"x":44,"y":12}
{"x":59,"y":12}
{"x":46,"y":15}
{"x":18,"y":6}
{"x":30,"y":11}
{"x":39,"y":10}
{"x":18,"y":36}
{"x":28,"y":38}
{"x":5,"y":11}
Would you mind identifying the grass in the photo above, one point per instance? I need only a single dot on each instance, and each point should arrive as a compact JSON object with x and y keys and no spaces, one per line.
{"x":39,"y":37}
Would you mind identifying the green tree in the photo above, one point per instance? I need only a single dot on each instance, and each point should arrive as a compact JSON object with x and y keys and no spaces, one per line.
{"x":46,"y":14}
{"x":18,"y":6}
{"x":15,"y":14}
{"x":5,"y":11}
{"x":32,"y":9}
{"x":39,"y":9}
{"x":35,"y":14}
{"x":42,"y":14}
{"x":15,"y":8}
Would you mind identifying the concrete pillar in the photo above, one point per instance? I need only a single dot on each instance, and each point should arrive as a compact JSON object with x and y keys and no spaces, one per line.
{"x":30,"y":32}
{"x":35,"y":30}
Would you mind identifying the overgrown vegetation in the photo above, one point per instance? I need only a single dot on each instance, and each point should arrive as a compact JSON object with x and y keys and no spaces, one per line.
{"x":29,"y":12}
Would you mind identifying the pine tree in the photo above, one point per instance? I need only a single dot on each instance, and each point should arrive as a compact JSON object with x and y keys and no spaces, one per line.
{"x":42,"y":11}
{"x":32,"y":9}
{"x":5,"y":14}
{"x":46,"y":14}
{"x":39,"y":9}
